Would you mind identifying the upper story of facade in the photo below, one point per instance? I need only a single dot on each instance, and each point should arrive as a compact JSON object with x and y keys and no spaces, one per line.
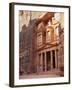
{"x":48,"y":32}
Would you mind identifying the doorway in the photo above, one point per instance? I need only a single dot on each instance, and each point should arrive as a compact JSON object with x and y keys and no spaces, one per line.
{"x":48,"y":60}
{"x":53,"y":56}
{"x":43,"y":54}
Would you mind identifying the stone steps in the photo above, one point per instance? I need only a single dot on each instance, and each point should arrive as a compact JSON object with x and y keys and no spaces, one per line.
{"x":51,"y":72}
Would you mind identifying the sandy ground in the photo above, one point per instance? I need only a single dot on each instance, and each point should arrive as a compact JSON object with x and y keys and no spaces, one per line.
{"x":47,"y":74}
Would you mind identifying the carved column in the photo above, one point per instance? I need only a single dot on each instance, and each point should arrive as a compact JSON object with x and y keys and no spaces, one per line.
{"x":51,"y":60}
{"x":41,"y":63}
{"x":37,"y":63}
{"x":45,"y":63}
{"x":56,"y":58}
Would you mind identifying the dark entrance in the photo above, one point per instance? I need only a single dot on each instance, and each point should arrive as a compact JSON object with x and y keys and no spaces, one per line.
{"x":53,"y":56}
{"x":43,"y":54}
{"x":39,"y":59}
{"x":48,"y":60}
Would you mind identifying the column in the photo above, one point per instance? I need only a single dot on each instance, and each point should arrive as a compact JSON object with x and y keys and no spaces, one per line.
{"x":41,"y":63}
{"x":45,"y":63}
{"x":55,"y":58}
{"x":51,"y":60}
{"x":37,"y":63}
